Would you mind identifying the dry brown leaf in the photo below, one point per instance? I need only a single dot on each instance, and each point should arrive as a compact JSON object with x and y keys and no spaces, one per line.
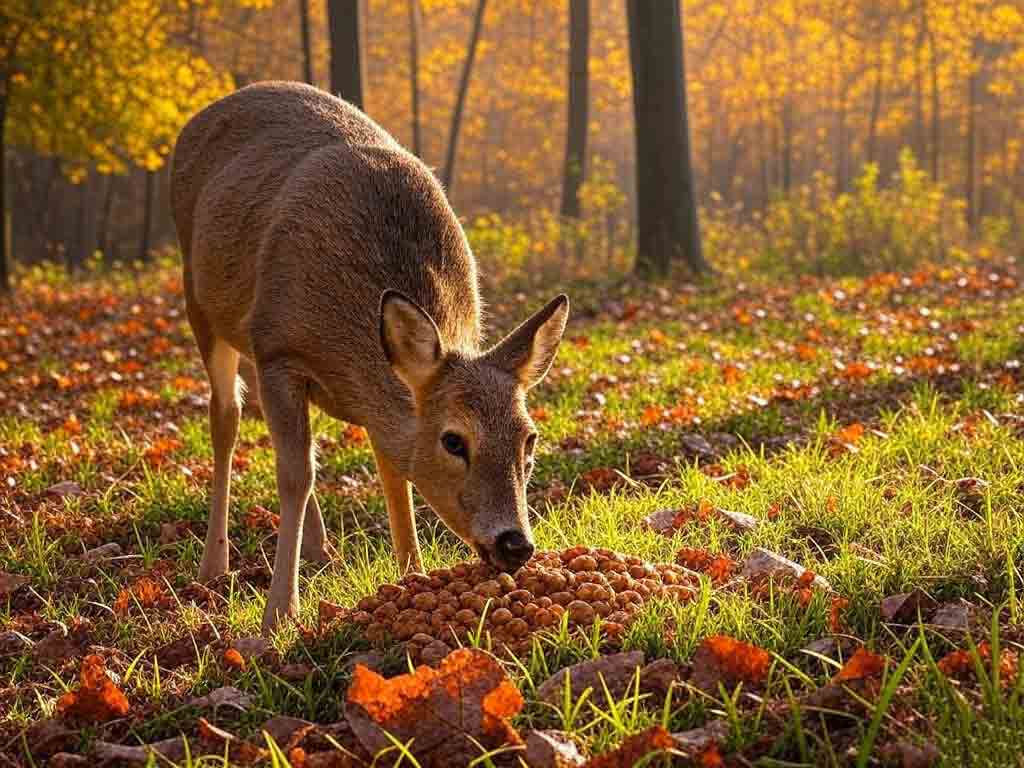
{"x":551,"y":749}
{"x":97,"y":699}
{"x":467,"y":699}
{"x":11,"y":583}
{"x":862,"y":664}
{"x":618,"y":672}
{"x":634,"y":749}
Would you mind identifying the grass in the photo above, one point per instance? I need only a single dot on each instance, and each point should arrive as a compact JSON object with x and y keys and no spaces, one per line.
{"x":929,"y":498}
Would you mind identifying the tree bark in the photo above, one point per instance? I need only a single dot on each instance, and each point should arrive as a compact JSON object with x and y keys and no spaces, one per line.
{"x":414,"y":75}
{"x":147,"y":217}
{"x":971,"y":149}
{"x":936,"y":108}
{"x":666,"y":199}
{"x":344,"y":23}
{"x":448,"y":177}
{"x":103,"y":235}
{"x":5,"y":221}
{"x":307,"y":50}
{"x":574,"y":171}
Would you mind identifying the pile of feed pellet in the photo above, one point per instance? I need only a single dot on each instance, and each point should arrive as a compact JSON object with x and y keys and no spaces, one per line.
{"x":435,"y":611}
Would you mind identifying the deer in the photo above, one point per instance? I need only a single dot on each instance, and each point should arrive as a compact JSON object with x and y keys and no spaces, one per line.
{"x":322,"y":254}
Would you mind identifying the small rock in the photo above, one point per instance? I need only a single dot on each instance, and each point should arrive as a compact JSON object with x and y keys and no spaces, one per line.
{"x":617,"y":670}
{"x":11,"y":583}
{"x":761,"y":563}
{"x":228,"y":696}
{"x":63,"y":489}
{"x":905,"y":607}
{"x":954,"y":616}
{"x":104,"y":552}
{"x":13,"y":642}
{"x":698,"y":740}
{"x":658,"y":676}
{"x":551,"y":749}
{"x":697,"y":444}
{"x":661,"y":521}
{"x":740,"y":521}
{"x":172,"y":750}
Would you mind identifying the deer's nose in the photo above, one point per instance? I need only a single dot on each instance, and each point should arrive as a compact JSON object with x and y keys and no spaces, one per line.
{"x":513,"y":548}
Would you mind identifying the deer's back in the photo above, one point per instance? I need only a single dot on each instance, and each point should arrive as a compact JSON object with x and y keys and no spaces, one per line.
{"x":295,"y":212}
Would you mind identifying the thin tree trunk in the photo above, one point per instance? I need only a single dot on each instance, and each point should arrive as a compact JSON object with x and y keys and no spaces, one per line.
{"x":920,"y":140}
{"x":787,"y":144}
{"x":147,"y":217}
{"x":5,"y":219}
{"x":876,"y":110}
{"x":414,"y":75}
{"x":666,"y":200}
{"x":936,"y":109}
{"x":344,"y":23}
{"x":448,"y":177}
{"x":574,"y":171}
{"x":103,"y":235}
{"x":307,"y":50}
{"x":971,"y":159}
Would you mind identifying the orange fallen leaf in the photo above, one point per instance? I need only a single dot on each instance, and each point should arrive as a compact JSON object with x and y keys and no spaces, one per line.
{"x":861,"y":665}
{"x":634,"y":749}
{"x":97,"y":699}
{"x":234,"y":659}
{"x":464,"y":703}
{"x":722,"y":659}
{"x":146,"y":592}
{"x":835,"y":609}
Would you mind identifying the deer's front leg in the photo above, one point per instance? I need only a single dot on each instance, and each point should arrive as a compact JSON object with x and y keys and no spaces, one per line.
{"x":286,"y":409}
{"x":398,"y":495}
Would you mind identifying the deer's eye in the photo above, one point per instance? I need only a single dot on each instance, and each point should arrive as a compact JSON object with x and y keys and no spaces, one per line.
{"x":455,"y":445}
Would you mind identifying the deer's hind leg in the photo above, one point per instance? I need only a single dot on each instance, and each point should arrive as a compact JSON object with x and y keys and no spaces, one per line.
{"x":225,"y":412}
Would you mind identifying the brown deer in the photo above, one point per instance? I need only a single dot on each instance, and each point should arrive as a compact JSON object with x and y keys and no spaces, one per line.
{"x":321,"y":251}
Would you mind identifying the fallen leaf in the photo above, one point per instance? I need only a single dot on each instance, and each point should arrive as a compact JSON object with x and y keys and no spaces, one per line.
{"x":635,"y":748}
{"x":97,"y":699}
{"x":144,"y":593}
{"x":226,"y":696}
{"x":240,"y":751}
{"x":761,"y":563}
{"x":551,"y":749}
{"x":11,"y":583}
{"x":618,"y":671}
{"x":906,"y":607}
{"x":956,"y":616}
{"x":171,"y":750}
{"x":287,"y":732}
{"x":64,"y":489}
{"x":722,"y":659}
{"x":862,"y":664}
{"x":447,"y":714}
{"x":911,"y":755}
{"x":234,"y":660}
{"x":102,"y":552}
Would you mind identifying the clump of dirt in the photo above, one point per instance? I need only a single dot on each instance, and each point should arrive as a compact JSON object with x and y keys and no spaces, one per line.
{"x":432,"y":613}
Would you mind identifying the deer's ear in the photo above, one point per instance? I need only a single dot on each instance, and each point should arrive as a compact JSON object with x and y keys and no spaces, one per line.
{"x":527,"y":352}
{"x":410,"y":339}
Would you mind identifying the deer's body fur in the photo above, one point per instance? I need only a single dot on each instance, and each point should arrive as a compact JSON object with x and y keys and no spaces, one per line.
{"x":296,"y":213}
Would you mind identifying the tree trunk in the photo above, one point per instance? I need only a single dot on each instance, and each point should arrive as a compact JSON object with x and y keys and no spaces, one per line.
{"x":344,"y":23}
{"x":936,"y":108}
{"x":448,"y":177}
{"x":971,"y":159}
{"x":666,"y":200}
{"x":307,"y":51}
{"x":574,"y":171}
{"x":414,"y":75}
{"x":103,"y":234}
{"x":147,"y":217}
{"x":920,"y":140}
{"x":5,"y":219}
{"x":876,"y":110}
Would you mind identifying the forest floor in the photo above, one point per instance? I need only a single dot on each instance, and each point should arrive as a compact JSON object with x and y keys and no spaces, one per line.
{"x":867,"y":429}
